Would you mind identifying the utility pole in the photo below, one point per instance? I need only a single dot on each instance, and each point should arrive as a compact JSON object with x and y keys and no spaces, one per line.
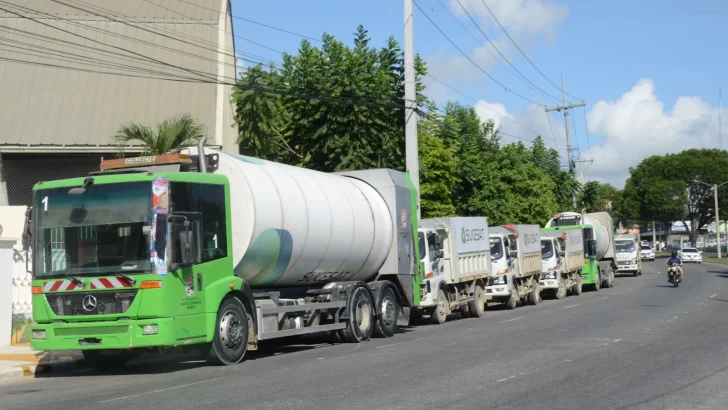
{"x":581,"y":163}
{"x":720,"y":117}
{"x":410,"y":100}
{"x":654,"y":237}
{"x":569,"y":148}
{"x":717,"y":218}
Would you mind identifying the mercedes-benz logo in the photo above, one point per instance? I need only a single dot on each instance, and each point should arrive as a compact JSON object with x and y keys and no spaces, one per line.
{"x":89,"y":303}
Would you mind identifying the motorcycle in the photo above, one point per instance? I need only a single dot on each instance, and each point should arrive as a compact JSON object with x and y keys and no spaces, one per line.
{"x":673,"y":273}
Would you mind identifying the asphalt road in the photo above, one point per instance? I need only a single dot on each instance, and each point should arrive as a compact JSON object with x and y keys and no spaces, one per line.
{"x":639,"y":345}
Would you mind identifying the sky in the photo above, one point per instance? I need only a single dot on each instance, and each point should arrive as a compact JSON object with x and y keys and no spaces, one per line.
{"x":647,"y":70}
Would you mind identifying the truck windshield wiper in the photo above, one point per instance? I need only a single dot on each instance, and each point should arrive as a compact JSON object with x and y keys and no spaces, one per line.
{"x":77,"y":281}
{"x":127,"y":278}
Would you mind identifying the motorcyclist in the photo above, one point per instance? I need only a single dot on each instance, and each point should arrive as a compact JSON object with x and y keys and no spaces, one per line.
{"x":674,"y":259}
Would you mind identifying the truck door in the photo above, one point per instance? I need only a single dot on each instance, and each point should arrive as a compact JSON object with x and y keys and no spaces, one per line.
{"x":203,"y":206}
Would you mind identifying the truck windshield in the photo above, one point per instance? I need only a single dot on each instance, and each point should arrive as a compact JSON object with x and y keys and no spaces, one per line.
{"x":625,"y":246}
{"x":105,"y":230}
{"x":547,"y":249}
{"x":496,"y":248}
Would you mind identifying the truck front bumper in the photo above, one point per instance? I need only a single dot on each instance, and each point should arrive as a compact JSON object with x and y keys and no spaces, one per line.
{"x":122,"y":334}
{"x":627,"y":268}
{"x":498,"y":291}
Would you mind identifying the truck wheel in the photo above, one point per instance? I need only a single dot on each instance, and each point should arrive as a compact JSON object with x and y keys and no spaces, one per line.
{"x":105,"y":363}
{"x":386,"y":325}
{"x":578,"y":287}
{"x":534,"y":296}
{"x":477,"y":305}
{"x":439,"y":315}
{"x":361,"y":316}
{"x":512,"y":302}
{"x":561,"y":291}
{"x":230,"y":341}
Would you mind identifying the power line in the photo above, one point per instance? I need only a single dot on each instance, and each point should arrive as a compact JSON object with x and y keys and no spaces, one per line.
{"x":551,"y":128}
{"x":521,"y":51}
{"x":502,"y":55}
{"x":484,"y":106}
{"x":471,"y":60}
{"x":255,"y":22}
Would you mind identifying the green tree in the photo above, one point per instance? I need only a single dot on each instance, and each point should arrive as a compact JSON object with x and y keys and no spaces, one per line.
{"x":178,"y":132}
{"x":437,"y":171}
{"x":339,"y":107}
{"x":589,"y":196}
{"x":549,"y":160}
{"x":261,"y":119}
{"x":662,"y":188}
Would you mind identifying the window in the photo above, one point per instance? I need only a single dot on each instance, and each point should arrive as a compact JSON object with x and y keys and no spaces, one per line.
{"x":206,"y":202}
{"x":421,"y":245}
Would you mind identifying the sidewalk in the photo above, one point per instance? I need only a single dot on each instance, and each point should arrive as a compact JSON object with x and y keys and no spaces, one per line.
{"x":22,"y":361}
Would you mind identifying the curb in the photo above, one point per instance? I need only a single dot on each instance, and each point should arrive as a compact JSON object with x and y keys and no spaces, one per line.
{"x":44,"y":366}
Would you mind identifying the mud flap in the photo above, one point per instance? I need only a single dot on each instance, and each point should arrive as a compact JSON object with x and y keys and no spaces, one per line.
{"x":403,"y":317}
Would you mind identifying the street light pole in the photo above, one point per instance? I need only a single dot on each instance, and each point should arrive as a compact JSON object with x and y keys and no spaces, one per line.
{"x":717,"y":214}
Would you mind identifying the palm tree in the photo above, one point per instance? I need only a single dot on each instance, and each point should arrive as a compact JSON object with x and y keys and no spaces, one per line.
{"x":180,"y":131}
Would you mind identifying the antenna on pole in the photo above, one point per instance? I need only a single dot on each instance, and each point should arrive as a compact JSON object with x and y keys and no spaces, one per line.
{"x":720,"y":117}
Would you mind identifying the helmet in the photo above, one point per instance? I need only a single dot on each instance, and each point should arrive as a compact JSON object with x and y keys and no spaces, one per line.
{"x":674,"y":254}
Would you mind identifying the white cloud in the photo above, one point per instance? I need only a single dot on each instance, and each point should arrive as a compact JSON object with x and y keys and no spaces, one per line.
{"x":531,"y":17}
{"x":525,"y":21}
{"x":637,"y":125}
{"x":523,"y":126}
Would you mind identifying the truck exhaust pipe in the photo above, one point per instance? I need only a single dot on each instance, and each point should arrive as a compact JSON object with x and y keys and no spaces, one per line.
{"x":202,"y":159}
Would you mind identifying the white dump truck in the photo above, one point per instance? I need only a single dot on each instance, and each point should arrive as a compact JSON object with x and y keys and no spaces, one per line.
{"x":629,"y":259}
{"x":562,"y":261}
{"x":516,"y":258}
{"x":456,"y":257}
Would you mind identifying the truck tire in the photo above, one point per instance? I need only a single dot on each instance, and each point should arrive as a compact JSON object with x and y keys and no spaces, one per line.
{"x":105,"y":363}
{"x":230,"y":342}
{"x":477,"y":305}
{"x":578,"y":286}
{"x":512,"y":301}
{"x":439,"y":314}
{"x":561,"y":290}
{"x":534,"y":296}
{"x":598,"y":284}
{"x":361,"y":316}
{"x":386,"y":325}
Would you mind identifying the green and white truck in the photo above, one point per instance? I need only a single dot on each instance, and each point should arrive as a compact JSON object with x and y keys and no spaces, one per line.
{"x":221,"y":251}
{"x":597,"y":228}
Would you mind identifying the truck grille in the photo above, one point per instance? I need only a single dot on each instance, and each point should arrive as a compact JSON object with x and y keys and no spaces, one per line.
{"x":91,"y":303}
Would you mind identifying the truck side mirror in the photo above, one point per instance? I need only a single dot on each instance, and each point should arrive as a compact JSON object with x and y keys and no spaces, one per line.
{"x":28,"y":229}
{"x":28,"y":237}
{"x":514,"y":253}
{"x":562,"y":253}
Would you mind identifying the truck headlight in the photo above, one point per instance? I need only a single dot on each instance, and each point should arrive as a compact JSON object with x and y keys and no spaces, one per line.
{"x":549,"y":275}
{"x":500,"y":280}
{"x":150,"y":330}
{"x":39,"y":334}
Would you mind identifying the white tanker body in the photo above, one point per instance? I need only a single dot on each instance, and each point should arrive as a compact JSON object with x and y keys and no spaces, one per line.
{"x":319,"y":248}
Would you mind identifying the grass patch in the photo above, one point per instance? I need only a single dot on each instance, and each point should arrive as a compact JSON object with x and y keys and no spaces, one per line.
{"x":722,"y":261}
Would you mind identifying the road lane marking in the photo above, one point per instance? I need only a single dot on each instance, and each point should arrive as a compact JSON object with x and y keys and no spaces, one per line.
{"x":670,"y":320}
{"x":160,"y":390}
{"x":511,"y":320}
{"x":501,"y":380}
{"x":713,"y":295}
{"x":399,"y":343}
{"x":604,"y":297}
{"x":569,"y":307}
